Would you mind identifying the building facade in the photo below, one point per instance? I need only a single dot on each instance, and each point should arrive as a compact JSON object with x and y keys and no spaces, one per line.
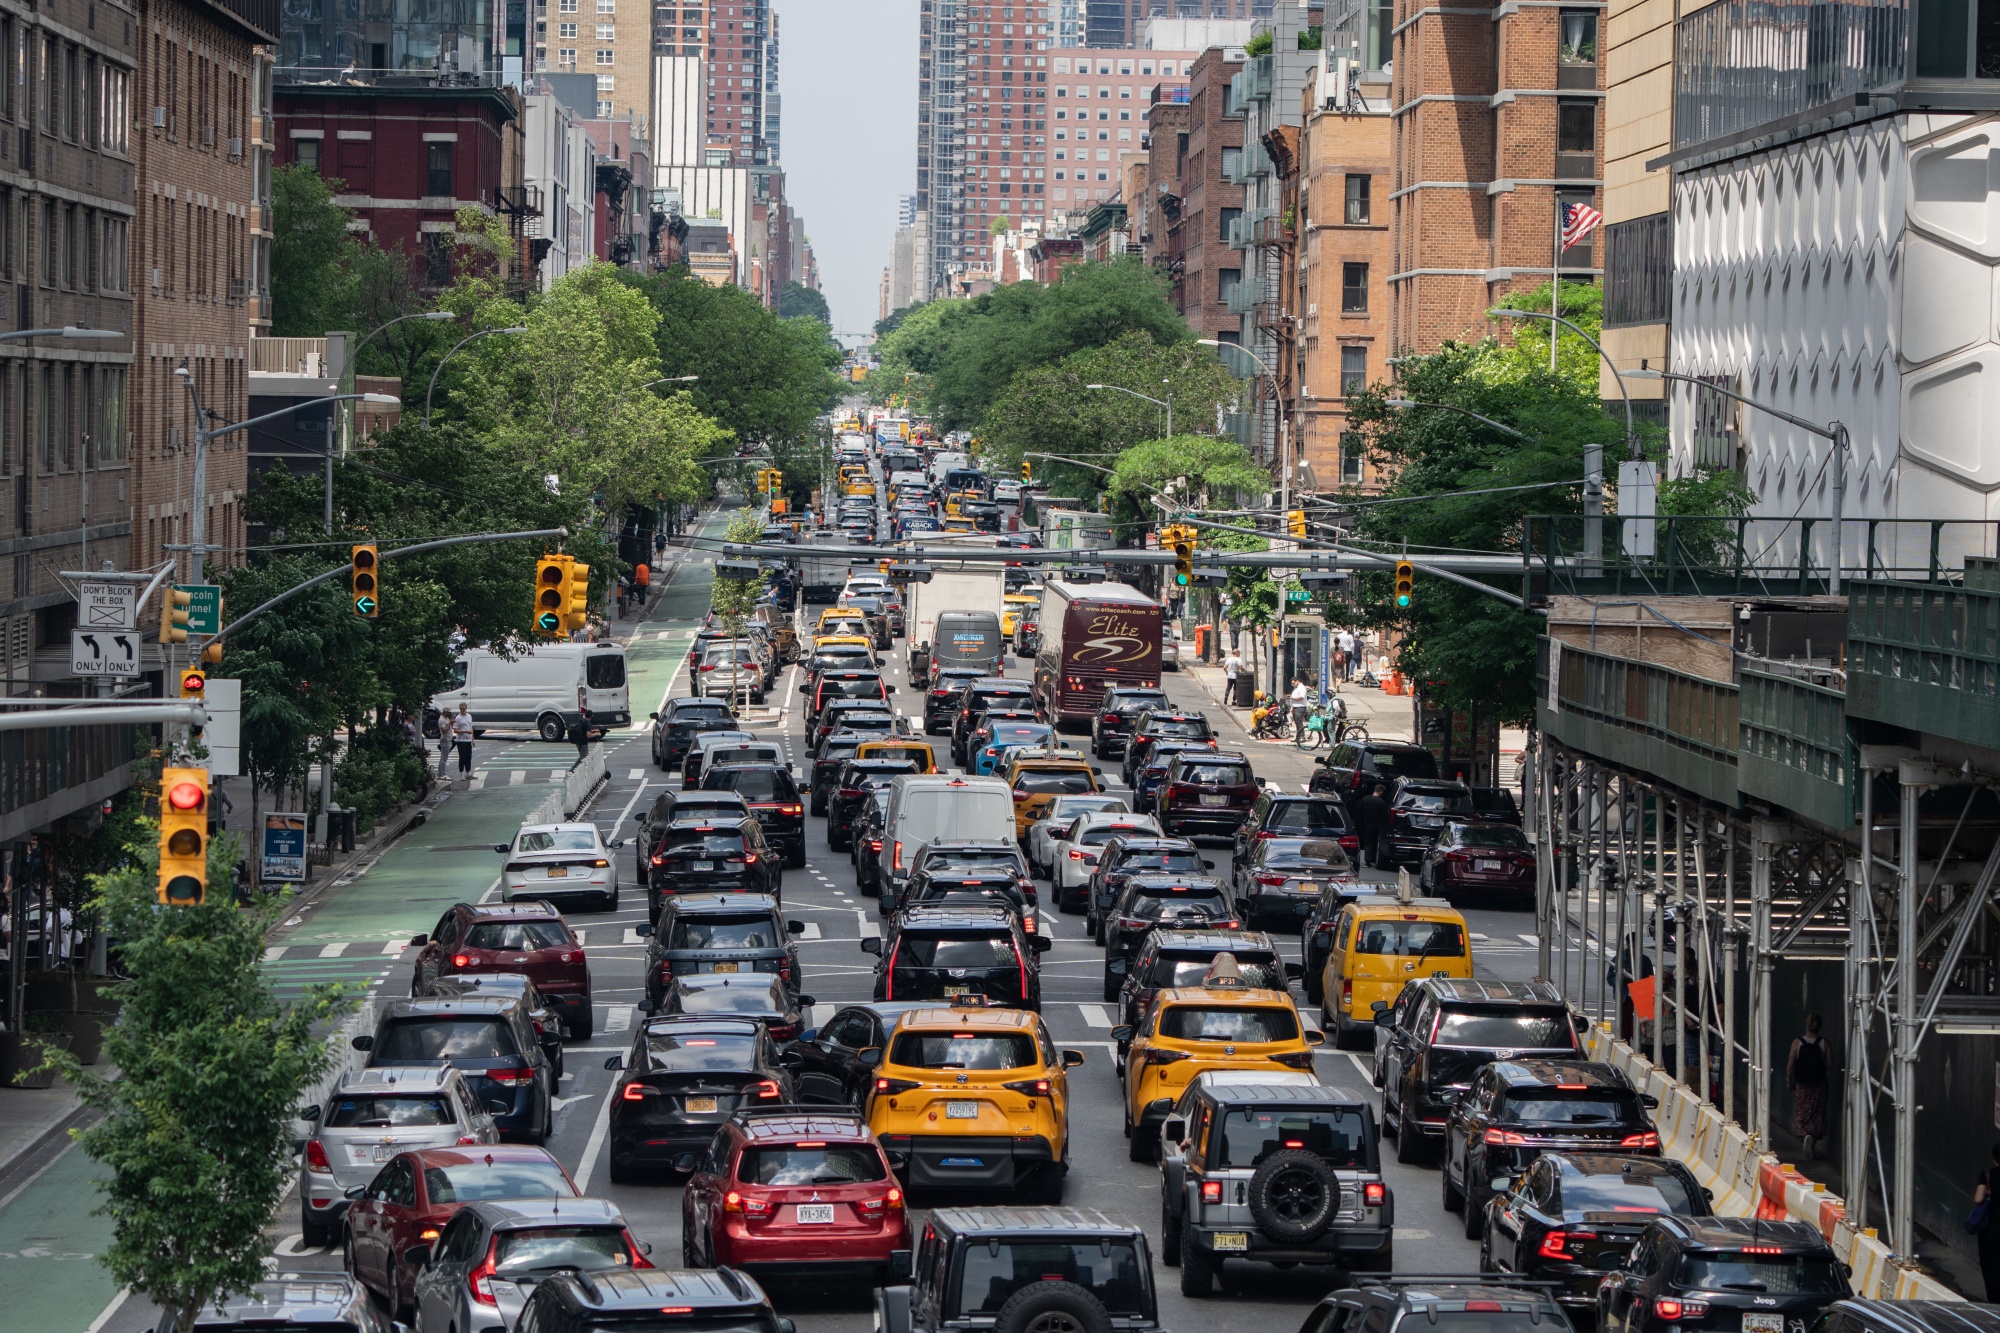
{"x":1210,"y":203}
{"x":1122,"y":23}
{"x":1638,"y":44}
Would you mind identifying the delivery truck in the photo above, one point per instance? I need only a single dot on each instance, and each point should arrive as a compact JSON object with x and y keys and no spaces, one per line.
{"x":821,"y":575}
{"x":970,"y":598}
{"x":1094,"y":636}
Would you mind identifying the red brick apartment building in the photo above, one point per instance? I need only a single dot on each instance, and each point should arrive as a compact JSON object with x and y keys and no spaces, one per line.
{"x":1199,"y":235}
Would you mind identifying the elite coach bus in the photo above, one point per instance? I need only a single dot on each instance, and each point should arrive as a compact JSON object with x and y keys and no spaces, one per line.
{"x":1094,"y":635}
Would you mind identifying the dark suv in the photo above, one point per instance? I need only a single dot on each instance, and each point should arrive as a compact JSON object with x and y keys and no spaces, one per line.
{"x":1112,"y":722}
{"x":1171,"y":957}
{"x":1571,"y":1217}
{"x":1441,"y":1030}
{"x":713,"y":851}
{"x":1274,"y":1173}
{"x":1163,"y":723}
{"x":720,"y":932}
{"x":1280,"y":814}
{"x":1131,"y":854}
{"x":774,"y":800}
{"x":978,"y":696}
{"x":675,"y":729}
{"x":945,"y":951}
{"x":851,"y":785}
{"x":1518,"y":1109}
{"x":1008,"y":1270}
{"x":669,"y":805}
{"x":1722,"y":1273}
{"x":1475,"y":1303}
{"x":1351,"y":768}
{"x":941,"y":700}
{"x":605,"y":1300}
{"x":1419,"y":809}
{"x":834,"y":751}
{"x":1206,"y":792}
{"x":973,"y":866}
{"x":1153,"y":902}
{"x":491,"y":1039}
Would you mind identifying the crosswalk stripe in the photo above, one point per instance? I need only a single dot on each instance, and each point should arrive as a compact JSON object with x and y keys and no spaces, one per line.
{"x":635,"y":775}
{"x":517,"y":777}
{"x":582,"y":937}
{"x":618,"y":1017}
{"x":272,"y":953}
{"x":478,"y":782}
{"x":333,"y":950}
{"x":1532,"y":939}
{"x":393,"y":950}
{"x":811,"y":931}
{"x":632,"y":936}
{"x":868,"y":927}
{"x":557,"y":774}
{"x":1096,"y":1015}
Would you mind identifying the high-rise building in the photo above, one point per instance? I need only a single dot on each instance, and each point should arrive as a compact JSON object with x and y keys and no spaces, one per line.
{"x":1120,"y":23}
{"x":906,"y":210}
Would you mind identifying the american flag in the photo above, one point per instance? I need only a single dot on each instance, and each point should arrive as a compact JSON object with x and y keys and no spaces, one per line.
{"x":1578,"y":221}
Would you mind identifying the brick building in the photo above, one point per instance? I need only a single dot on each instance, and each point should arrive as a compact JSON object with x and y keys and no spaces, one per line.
{"x":1496,"y":124}
{"x":1115,"y":23}
{"x":1199,"y":236}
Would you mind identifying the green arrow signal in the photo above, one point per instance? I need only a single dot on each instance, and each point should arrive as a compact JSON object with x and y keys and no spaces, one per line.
{"x":548,"y":622}
{"x":364,"y":606}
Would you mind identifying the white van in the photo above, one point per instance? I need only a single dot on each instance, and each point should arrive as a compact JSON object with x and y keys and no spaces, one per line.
{"x":927,"y":806}
{"x":541,"y":688}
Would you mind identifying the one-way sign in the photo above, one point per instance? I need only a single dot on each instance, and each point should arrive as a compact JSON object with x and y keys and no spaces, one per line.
{"x":103,"y":652}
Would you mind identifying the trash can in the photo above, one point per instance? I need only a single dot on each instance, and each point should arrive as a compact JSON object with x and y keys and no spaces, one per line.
{"x":1246,"y":688}
{"x":1201,"y":633}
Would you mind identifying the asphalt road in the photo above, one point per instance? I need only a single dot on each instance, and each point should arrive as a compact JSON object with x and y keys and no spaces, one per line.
{"x":451,"y":864}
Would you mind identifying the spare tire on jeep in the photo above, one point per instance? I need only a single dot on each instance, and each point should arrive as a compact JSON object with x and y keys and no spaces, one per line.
{"x":1053,"y":1307}
{"x":1294,"y":1196}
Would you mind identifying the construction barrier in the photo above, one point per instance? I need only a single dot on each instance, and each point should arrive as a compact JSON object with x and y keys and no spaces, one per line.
{"x":1746,"y":1183}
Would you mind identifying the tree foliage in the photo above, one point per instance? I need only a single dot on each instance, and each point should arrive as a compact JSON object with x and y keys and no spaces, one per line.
{"x":798,"y":301}
{"x":734,"y":599}
{"x":196,"y":1127}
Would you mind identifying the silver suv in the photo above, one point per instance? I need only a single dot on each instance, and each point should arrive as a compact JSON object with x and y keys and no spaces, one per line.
{"x":1289,"y":1174}
{"x":371,"y":1116}
{"x":729,"y":668}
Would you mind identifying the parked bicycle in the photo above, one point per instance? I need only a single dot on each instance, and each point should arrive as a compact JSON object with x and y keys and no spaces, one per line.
{"x":1328,"y":722}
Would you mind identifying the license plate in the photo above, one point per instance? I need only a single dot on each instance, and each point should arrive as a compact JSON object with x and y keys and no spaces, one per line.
{"x":1763,"y":1323}
{"x":558,"y":872}
{"x":1214,"y":800}
{"x":701,"y":865}
{"x":384,"y":1151}
{"x":725,"y":967}
{"x":815,"y":1212}
{"x":952,"y":991}
{"x":1232,"y":1240}
{"x":1494,"y":866}
{"x":970,"y":1111}
{"x":701,"y":1106}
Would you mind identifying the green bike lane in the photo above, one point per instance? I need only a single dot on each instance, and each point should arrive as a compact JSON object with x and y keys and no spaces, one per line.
{"x":356,"y":933}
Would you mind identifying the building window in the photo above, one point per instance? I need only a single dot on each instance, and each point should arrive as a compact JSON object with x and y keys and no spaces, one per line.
{"x":1357,"y":201}
{"x":1638,"y":271}
{"x":1381,"y":33}
{"x":1228,"y":217}
{"x":305,"y":153}
{"x":1576,"y":126}
{"x":607,"y":32}
{"x":1579,"y":38}
{"x":1352,"y":459}
{"x":566,"y":55}
{"x":1353,"y":370}
{"x":1354,"y":289}
{"x":1226,"y":283}
{"x":605,"y":57}
{"x":437,"y":170}
{"x":566,"y":31}
{"x":1232,"y":161}
{"x":603,"y":108}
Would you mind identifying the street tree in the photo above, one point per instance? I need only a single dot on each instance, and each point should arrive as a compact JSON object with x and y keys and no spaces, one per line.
{"x":798,"y":301}
{"x":733,"y":600}
{"x":195,"y":1130}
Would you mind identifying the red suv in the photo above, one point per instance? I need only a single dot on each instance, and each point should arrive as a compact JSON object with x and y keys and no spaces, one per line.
{"x":794,"y":1192}
{"x":526,"y":937}
{"x":1206,"y":793}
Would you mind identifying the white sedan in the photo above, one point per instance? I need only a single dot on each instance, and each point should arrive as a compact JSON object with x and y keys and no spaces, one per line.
{"x":559,"y":862}
{"x":1057,"y":816}
{"x":1075,"y":855}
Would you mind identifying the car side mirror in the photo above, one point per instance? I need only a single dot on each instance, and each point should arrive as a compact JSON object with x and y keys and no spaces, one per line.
{"x":364,"y":1042}
{"x":1379,"y":1006}
{"x":1708,"y":1193}
{"x":791,"y":1058}
{"x":899,"y":1266}
{"x":309,"y":1113}
{"x":1649,"y":1101}
{"x":888,"y":689}
{"x":1261,"y":782}
{"x":806,"y":1001}
{"x":1315,"y":1038}
{"x":1500,"y":1184}
{"x":1173,"y":1129}
{"x":870,"y":1056}
{"x":654,"y":716}
{"x":873,"y":944}
{"x":417,"y":1256}
{"x":643,"y":929}
{"x":1383,"y":1018}
{"x":686,"y":1162}
{"x":1071,"y":1059}
{"x":497,"y":1107}
{"x":354,"y":1191}
{"x":419,"y":941}
{"x":1293,"y":971}
{"x":786,"y":1326}
{"x":648,"y":1006}
{"x":614,"y":1062}
{"x":796,"y":927}
{"x":619,"y":843}
{"x":500,"y":847}
{"x":1123,"y":1032}
{"x":1041,"y":943}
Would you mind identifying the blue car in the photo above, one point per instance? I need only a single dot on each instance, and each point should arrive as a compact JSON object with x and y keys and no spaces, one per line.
{"x":1005,"y":734}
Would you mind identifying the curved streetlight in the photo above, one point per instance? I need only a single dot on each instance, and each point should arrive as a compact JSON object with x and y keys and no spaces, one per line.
{"x":1404,"y":403}
{"x":66,"y":331}
{"x":1284,"y":431}
{"x":519,"y":328}
{"x":1156,"y":402}
{"x":671,"y":379}
{"x":1631,"y":435}
{"x":1593,"y":471}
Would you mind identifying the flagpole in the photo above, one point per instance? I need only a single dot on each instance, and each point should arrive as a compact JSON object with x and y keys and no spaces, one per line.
{"x":1555,"y":281}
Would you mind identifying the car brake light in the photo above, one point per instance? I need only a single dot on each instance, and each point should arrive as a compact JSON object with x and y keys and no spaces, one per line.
{"x":1374,"y":1194}
{"x":1346,"y":992}
{"x":1211,"y":1191}
{"x":896,"y":859}
{"x":1350,"y":843}
{"x":1269,"y":879}
{"x":874,"y":1208}
{"x":316,"y":1160}
{"x":1506,"y":1138}
{"x":768,"y":1090}
{"x":1555,"y":1244}
{"x":1482,"y":1307}
{"x":658,"y":859}
{"x":850,"y":793}
{"x":1762,"y":1249}
{"x":874,"y":844}
{"x":791,"y":809}
{"x":1294,"y":1059}
{"x":480,"y":1278}
{"x":461,"y":960}
{"x":1667,"y":1307}
{"x":1076,"y":853}
{"x":893,"y":1085}
{"x":467,"y":1140}
{"x":1646,"y":1140}
{"x":635,"y":1092}
{"x":511,"y":1076}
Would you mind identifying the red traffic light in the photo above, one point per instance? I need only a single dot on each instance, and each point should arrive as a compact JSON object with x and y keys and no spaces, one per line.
{"x":193,"y":683}
{"x":187,"y":796}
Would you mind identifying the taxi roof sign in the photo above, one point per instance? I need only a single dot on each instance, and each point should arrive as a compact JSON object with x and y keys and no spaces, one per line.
{"x":1225,"y":973}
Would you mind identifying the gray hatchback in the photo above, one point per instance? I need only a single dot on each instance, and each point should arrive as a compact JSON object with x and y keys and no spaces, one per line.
{"x":491,"y":1256}
{"x":370,"y":1117}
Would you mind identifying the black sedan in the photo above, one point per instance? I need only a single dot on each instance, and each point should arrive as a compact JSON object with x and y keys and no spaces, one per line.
{"x":857,"y":777}
{"x":773,"y":798}
{"x":831,"y":1065}
{"x":1160,"y":902}
{"x":681,"y":1080}
{"x":763,"y":998}
{"x":1284,"y":879}
{"x":708,"y":852}
{"x":1572,"y":1217}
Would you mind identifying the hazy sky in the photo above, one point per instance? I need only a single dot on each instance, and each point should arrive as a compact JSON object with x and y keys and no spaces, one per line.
{"x":847,"y":70}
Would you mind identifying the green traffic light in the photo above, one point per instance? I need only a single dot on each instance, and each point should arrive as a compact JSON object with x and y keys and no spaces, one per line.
{"x":1180,"y":580}
{"x":1402,"y":599}
{"x":364,"y":606}
{"x":548,"y":622}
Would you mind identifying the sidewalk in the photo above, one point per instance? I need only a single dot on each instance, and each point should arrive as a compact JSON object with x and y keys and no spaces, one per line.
{"x":1387,"y":716}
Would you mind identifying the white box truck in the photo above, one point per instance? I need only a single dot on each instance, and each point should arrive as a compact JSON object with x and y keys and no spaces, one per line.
{"x":978,"y":589}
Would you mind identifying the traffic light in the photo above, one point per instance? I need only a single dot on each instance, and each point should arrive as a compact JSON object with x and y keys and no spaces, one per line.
{"x":1295,"y":522}
{"x":1027,"y":470}
{"x":1406,"y":578}
{"x":174,"y":604}
{"x":183,"y":878}
{"x":194,"y":684}
{"x":576,"y":599}
{"x":551,"y":594}
{"x":1183,"y":542}
{"x":364,"y":579}
{"x":212,"y":654}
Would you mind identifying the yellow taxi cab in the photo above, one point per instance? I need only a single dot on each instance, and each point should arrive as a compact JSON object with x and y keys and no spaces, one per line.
{"x":860,"y":486}
{"x":967,"y":1097}
{"x":1038,"y":777}
{"x":1224,"y":1023}
{"x":959,"y":525}
{"x":1378,"y":947}
{"x":849,"y":471}
{"x":920,"y":751}
{"x":841,"y":620}
{"x":1013,"y":608}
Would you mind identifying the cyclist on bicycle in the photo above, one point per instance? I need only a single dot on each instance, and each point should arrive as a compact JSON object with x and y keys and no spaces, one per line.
{"x":1300,"y":700}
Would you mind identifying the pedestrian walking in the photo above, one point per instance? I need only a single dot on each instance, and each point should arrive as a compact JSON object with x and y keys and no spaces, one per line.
{"x":1806,"y":1073}
{"x":659,"y":548}
{"x":1347,"y":651}
{"x":642,"y":581}
{"x":1232,"y":667}
{"x":461,"y":736}
{"x":1371,"y":812}
{"x":579,"y":734}
{"x":1300,"y":700}
{"x":1988,"y":1230}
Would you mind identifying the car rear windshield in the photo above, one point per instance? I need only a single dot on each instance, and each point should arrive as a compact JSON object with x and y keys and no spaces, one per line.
{"x":964,"y":1050}
{"x":753,"y":784}
{"x":1103,"y":833}
{"x":1185,"y":970}
{"x":558,"y":840}
{"x":1158,"y":902}
{"x":851,"y":689}
{"x":1134,"y":703}
{"x":1170,"y":861}
{"x":691,"y":845}
{"x":701,"y":1051}
{"x":994,"y":1271}
{"x":751,"y":930}
{"x":1505,"y":1029}
{"x":445,"y":1038}
{"x":1250,"y":1134}
{"x":1317,"y":854}
{"x":585,"y":1248}
{"x":1017,"y":733}
{"x":1057,"y":782}
{"x":476,"y":1180}
{"x":1404,"y":939}
{"x":753,"y":1001}
{"x":1306,"y":817}
{"x":1627,"y":1192}
{"x":389,"y":1111}
{"x":947,"y":864}
{"x":833,"y":1164}
{"x":1216,"y":775}
{"x":1552,"y":1107}
{"x":523,"y":935}
{"x":1193,"y":728}
{"x":1435,"y":802}
{"x":1491,"y":836}
{"x":961,"y":950}
{"x":1194,"y":1022}
{"x":1779,"y":1274}
{"x":604,"y":671}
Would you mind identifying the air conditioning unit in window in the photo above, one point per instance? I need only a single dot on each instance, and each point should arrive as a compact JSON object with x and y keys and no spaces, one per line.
{"x":208,"y":136}
{"x":159,"y":117}
{"x":236,"y":146}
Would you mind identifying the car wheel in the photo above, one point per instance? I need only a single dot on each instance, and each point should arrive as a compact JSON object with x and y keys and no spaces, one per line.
{"x":1170,"y":1236}
{"x":1454,"y":1197}
{"x":549,"y":727}
{"x":1111,"y":988}
{"x":1197,"y":1267}
{"x":1410,"y":1147}
{"x":586,"y":1024}
{"x":1475,"y":1210}
{"x":314,"y":1233}
{"x":1098,"y":934}
{"x":623,"y":1173}
{"x":795,"y":855}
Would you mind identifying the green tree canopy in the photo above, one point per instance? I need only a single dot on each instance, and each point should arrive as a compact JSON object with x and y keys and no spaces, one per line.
{"x":798,"y":301}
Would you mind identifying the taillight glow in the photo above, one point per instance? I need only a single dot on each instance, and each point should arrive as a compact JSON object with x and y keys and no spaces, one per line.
{"x":316,"y":1159}
{"x":1506,"y":1138}
{"x":1211,"y":1191}
{"x":1646,"y":1140}
{"x":1375,"y":1194}
{"x":461,"y":960}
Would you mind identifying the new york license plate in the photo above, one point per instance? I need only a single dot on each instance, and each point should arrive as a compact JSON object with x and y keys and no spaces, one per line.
{"x":1756,"y":1322}
{"x":701,"y":865}
{"x":1214,"y":799}
{"x":558,"y":872}
{"x":701,"y":1105}
{"x":384,"y":1151}
{"x":970,"y":1111}
{"x":815,"y":1212}
{"x":1232,"y":1240}
{"x":725,"y":967}
{"x":1487,"y":865}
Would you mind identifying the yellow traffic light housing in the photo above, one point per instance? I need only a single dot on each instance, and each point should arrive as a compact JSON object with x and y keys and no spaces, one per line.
{"x":183,"y":878}
{"x":1182,"y":540}
{"x":551,"y":595}
{"x":365,"y":582}
{"x":1295,"y":522}
{"x":1027,"y":470}
{"x":1406,"y":579}
{"x":576,"y":601}
{"x":174,"y":612}
{"x":212,"y":654}
{"x":194,"y":684}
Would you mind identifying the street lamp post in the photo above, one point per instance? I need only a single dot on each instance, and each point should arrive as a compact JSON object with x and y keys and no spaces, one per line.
{"x":1593,"y":465}
{"x":347,"y":374}
{"x":1284,"y":423}
{"x":1833,"y":431}
{"x":1168,"y":404}
{"x":519,"y":328}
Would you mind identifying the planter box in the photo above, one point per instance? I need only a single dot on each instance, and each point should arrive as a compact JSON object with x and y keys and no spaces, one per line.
{"x":85,"y":1029}
{"x":20,"y":1053}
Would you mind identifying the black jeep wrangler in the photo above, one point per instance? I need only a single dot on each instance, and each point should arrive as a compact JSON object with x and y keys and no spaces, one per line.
{"x":1009,"y":1270}
{"x":1291,"y":1175}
